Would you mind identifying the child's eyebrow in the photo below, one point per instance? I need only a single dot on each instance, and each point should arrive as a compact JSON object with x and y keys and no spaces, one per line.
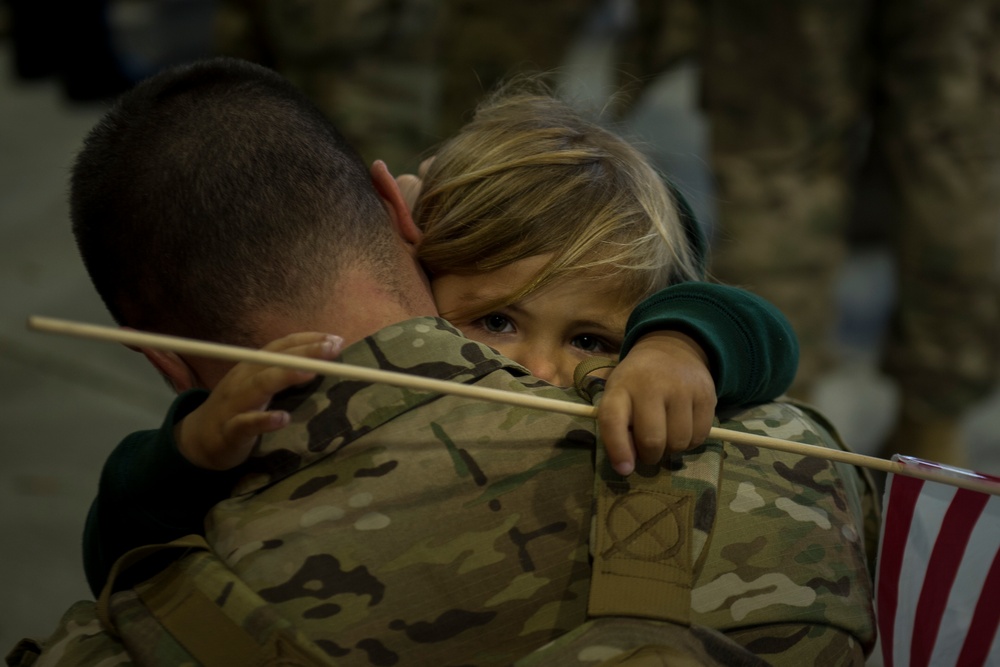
{"x":483,"y":293}
{"x":602,"y":327}
{"x":591,"y":324}
{"x":605,"y":327}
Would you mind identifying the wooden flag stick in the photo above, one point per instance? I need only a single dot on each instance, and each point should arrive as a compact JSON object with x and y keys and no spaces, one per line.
{"x":236,"y":354}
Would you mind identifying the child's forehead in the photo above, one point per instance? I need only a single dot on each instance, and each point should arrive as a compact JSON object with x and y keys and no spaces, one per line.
{"x":514,"y":277}
{"x":582,"y":298}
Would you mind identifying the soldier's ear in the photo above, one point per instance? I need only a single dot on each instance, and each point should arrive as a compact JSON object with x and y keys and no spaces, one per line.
{"x":171,"y":366}
{"x":399,"y":209}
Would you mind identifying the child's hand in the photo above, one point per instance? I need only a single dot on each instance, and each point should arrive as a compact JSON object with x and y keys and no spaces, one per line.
{"x":220,"y":433}
{"x":660,"y":398}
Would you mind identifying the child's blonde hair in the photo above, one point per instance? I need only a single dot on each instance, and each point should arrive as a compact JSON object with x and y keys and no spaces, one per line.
{"x":530,"y":176}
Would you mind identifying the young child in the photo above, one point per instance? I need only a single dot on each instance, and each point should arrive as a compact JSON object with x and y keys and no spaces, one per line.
{"x":541,"y":234}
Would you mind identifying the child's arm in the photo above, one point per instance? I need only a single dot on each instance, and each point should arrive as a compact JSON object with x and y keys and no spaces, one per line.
{"x":220,"y":433}
{"x":156,"y":486}
{"x":148,"y":494}
{"x":685,"y":348}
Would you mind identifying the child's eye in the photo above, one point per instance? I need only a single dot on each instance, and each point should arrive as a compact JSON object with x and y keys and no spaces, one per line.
{"x":497,"y":323}
{"x":593,"y":344}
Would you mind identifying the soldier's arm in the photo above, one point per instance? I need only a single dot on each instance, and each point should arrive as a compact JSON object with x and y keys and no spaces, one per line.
{"x":220,"y":433}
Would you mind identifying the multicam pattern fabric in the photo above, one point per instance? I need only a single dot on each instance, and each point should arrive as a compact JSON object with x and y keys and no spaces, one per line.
{"x":80,"y":639}
{"x":392,"y":526}
{"x":334,"y":530}
{"x":789,"y":538}
{"x":379,"y":513}
{"x":170,"y":619}
{"x":631,"y":642}
{"x":786,"y":572}
{"x":788,"y":92}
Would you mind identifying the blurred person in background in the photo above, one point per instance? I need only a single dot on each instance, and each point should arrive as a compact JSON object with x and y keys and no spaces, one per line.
{"x":370,"y":66}
{"x":785,"y":89}
{"x":399,"y":77}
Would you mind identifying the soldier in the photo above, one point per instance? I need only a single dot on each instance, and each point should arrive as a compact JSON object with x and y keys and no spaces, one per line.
{"x":785,"y":91}
{"x":391,"y":523}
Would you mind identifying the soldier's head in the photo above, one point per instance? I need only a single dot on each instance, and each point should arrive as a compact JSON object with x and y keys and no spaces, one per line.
{"x":546,"y":204}
{"x":215,"y":201}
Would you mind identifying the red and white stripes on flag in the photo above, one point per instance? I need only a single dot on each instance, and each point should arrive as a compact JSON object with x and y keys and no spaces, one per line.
{"x":938,"y":580}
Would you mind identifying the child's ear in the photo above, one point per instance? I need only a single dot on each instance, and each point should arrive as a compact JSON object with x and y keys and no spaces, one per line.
{"x":399,"y":209}
{"x":171,"y":366}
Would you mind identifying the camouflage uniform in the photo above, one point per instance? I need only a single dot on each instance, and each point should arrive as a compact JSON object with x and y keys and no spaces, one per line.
{"x":391,"y":525}
{"x":785,"y":87}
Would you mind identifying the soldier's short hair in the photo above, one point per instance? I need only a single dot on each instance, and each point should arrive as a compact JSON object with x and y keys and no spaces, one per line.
{"x":214,"y":191}
{"x":531,"y":175}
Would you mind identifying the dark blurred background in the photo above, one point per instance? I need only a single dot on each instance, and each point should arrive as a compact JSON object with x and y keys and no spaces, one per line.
{"x":844,"y":157}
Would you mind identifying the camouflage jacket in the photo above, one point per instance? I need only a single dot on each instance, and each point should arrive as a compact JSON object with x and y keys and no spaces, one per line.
{"x":393,"y":526}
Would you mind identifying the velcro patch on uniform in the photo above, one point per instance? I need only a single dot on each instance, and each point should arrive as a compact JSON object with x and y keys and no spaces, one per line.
{"x":642,"y":553}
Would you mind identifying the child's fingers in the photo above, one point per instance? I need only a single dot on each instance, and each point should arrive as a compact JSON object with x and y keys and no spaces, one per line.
{"x":255,"y":385}
{"x":238,"y":437}
{"x":267,"y":382}
{"x":650,"y":428}
{"x":253,"y":388}
{"x":680,"y":429}
{"x":613,"y":417}
{"x":704,"y":413}
{"x":249,"y":425}
{"x":307,"y":344}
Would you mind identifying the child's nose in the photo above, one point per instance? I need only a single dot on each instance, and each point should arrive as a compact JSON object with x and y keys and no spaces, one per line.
{"x":548,"y":368}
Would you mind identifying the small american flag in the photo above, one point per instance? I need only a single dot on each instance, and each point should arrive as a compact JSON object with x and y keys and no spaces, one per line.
{"x":938,"y":580}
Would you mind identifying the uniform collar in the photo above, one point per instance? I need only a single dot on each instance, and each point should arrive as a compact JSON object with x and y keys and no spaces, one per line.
{"x":330,"y":413}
